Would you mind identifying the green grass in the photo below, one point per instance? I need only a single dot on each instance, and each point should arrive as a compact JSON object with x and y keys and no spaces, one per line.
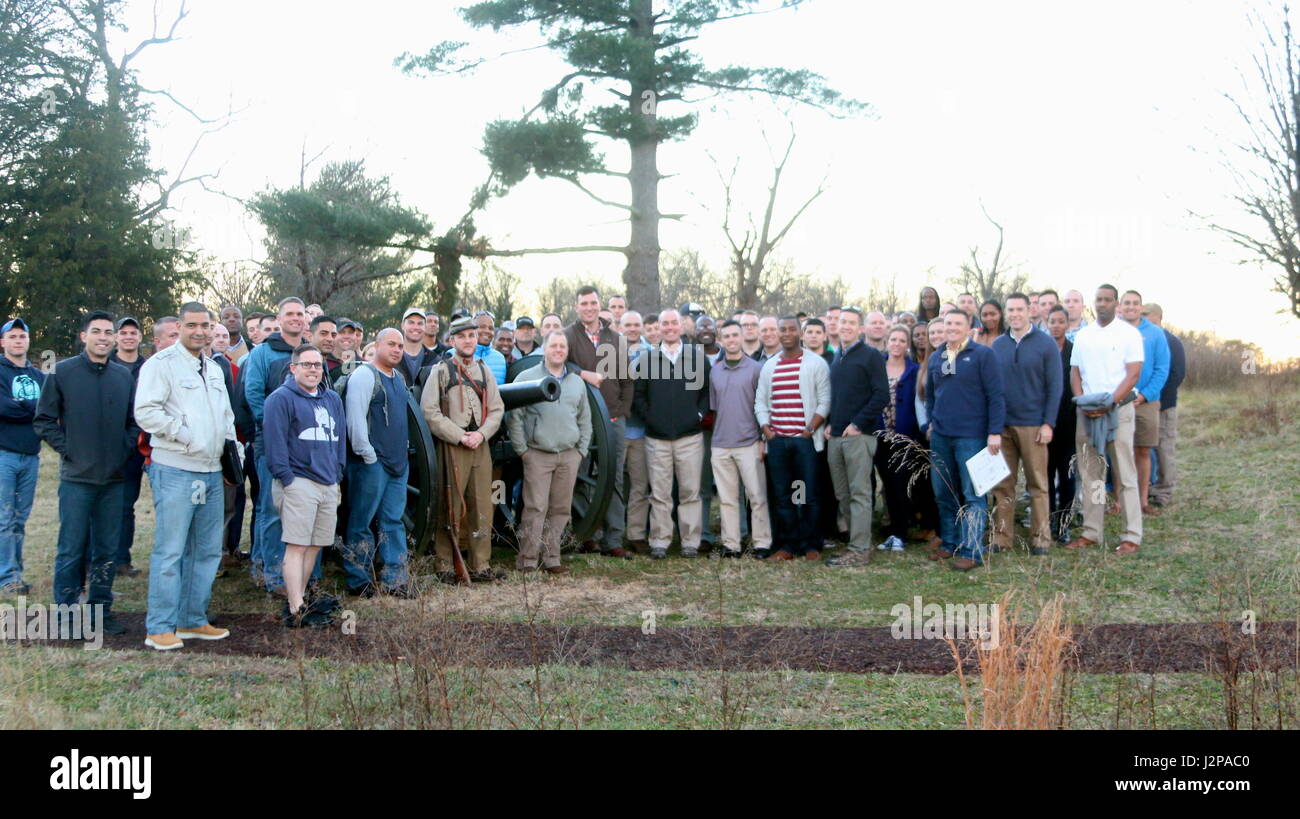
{"x":1228,"y":544}
{"x":51,"y":688}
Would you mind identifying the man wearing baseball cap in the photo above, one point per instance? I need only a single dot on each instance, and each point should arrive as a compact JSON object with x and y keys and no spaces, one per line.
{"x":415,"y":356}
{"x":525,"y":338}
{"x":126,"y":351}
{"x":20,"y":458}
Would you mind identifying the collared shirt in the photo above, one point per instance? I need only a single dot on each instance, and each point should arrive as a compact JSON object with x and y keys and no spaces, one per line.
{"x":1101,"y":353}
{"x":732,"y":387}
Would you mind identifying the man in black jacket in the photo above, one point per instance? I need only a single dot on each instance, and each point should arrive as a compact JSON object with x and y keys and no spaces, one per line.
{"x":859,"y":391}
{"x":672,"y":396}
{"x":85,"y":415}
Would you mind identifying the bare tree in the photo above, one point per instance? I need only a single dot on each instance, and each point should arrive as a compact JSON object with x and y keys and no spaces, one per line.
{"x":991,"y":279}
{"x":1267,"y":165}
{"x":493,"y":290}
{"x":240,"y":283}
{"x":752,"y":248}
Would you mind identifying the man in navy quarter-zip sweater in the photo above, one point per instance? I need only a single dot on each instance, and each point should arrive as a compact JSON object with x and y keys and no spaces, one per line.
{"x":967,"y":408}
{"x":1031,"y":375}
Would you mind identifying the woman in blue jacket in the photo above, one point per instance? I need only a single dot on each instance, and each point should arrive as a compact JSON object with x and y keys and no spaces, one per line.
{"x":899,"y":457}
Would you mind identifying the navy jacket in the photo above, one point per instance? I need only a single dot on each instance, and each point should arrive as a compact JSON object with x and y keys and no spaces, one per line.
{"x":1031,"y":377}
{"x":859,"y":389}
{"x":86,"y":413}
{"x":904,"y":402}
{"x":967,"y":403}
{"x":20,"y":389}
{"x":305,"y":435}
{"x":1177,"y":372}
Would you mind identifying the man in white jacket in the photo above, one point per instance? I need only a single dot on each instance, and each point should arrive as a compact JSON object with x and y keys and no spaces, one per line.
{"x":181,"y":402}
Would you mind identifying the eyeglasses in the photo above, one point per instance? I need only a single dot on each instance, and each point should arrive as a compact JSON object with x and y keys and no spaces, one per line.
{"x":309,"y":365}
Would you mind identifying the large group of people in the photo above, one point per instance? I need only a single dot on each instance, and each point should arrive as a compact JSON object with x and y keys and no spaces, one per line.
{"x":792,"y":424}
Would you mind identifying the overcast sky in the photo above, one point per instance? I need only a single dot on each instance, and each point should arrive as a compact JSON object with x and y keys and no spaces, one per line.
{"x":1090,"y":131}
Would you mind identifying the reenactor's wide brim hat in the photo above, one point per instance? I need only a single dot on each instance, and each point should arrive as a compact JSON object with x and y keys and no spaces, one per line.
{"x":460,"y":325}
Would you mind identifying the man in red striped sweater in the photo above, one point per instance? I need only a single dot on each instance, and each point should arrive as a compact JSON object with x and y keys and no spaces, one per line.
{"x":793,"y":401}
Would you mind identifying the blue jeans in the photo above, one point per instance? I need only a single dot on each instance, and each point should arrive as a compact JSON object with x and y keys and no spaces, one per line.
{"x":90,"y":524}
{"x":17,"y":489}
{"x":189,"y":508}
{"x":962,"y":513}
{"x":373,"y":491}
{"x":794,"y":524}
{"x":134,"y":472}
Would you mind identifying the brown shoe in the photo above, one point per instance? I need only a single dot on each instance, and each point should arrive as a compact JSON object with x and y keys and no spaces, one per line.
{"x":641,"y":547}
{"x":588,"y":546}
{"x":939,"y":554}
{"x":556,"y":570}
{"x":812,"y":555}
{"x":964,"y":564}
{"x":1126,"y":547}
{"x":1080,"y":543}
{"x":781,"y":554}
{"x":618,"y":551}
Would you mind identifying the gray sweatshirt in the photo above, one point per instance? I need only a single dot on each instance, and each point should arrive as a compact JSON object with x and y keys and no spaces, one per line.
{"x":552,"y":426}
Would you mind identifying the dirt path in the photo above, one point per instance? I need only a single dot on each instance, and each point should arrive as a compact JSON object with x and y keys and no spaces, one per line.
{"x":1195,"y":647}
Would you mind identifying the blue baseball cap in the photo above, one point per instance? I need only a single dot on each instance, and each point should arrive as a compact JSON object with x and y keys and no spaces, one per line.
{"x":15,"y":324}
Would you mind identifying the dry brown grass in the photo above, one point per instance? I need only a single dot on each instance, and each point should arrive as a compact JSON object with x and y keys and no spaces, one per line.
{"x":1020,"y":677}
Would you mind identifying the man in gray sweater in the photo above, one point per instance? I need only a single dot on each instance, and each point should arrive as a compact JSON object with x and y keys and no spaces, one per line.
{"x":551,"y":438}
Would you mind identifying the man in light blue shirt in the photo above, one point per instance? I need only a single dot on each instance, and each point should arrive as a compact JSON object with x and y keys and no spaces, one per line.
{"x":492,"y":357}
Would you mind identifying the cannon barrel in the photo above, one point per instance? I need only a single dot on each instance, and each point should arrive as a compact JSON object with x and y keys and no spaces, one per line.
{"x":521,"y":394}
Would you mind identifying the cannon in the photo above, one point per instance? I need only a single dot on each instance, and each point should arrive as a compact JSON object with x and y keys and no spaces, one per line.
{"x":595,"y":485}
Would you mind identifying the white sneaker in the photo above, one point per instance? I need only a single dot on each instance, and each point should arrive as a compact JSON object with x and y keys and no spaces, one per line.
{"x":895,"y":543}
{"x":883,"y":545}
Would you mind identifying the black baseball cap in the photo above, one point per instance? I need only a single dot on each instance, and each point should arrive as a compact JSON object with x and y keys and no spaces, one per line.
{"x":127,"y":320}
{"x":524,"y":321}
{"x":14,"y":324}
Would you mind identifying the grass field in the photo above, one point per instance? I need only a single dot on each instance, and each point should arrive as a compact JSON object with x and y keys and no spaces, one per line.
{"x":1227,"y":545}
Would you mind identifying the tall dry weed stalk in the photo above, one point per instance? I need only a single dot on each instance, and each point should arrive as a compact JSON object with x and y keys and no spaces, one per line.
{"x":1021,"y":675}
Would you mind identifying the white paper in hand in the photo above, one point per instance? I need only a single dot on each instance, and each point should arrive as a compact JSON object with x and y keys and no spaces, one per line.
{"x":986,"y":470}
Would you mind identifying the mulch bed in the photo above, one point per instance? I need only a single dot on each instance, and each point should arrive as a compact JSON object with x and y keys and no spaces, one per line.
{"x":1168,"y":647}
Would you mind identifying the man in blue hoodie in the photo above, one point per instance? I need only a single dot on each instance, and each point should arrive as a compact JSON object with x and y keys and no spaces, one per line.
{"x":966,"y":405}
{"x":306,"y":453}
{"x":495,"y":361}
{"x":1155,"y":371}
{"x":20,"y":450}
{"x":1032,"y":377}
{"x":268,"y":548}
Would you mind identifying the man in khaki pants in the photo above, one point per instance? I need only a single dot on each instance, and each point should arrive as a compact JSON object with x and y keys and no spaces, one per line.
{"x":1031,"y":376}
{"x":672,"y":396}
{"x":737,"y":455}
{"x":551,"y":437}
{"x":1107,"y":357}
{"x":463,"y":408}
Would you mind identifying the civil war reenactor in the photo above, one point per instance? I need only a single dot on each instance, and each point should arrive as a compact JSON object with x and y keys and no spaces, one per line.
{"x":463,"y":408}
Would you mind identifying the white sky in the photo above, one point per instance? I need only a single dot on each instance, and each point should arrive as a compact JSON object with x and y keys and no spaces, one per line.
{"x":1090,"y":131}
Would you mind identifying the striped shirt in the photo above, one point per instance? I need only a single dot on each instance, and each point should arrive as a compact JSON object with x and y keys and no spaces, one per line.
{"x":787,"y":403}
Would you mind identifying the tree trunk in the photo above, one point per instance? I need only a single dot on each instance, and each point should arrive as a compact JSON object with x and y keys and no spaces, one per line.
{"x":641,"y":276}
{"x":447,"y":275}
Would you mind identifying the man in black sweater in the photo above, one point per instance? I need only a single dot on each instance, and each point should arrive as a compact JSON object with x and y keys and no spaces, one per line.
{"x":859,"y":391}
{"x":672,"y":396}
{"x":85,"y":414}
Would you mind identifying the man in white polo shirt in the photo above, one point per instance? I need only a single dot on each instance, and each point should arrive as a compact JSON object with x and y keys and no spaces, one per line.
{"x":1107,"y":358}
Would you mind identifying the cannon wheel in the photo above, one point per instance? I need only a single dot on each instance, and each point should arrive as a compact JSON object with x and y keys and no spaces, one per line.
{"x":422,"y":480}
{"x":596,"y":482}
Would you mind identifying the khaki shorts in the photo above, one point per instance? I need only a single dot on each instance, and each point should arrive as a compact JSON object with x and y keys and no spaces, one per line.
{"x":1146,"y":430}
{"x":308,"y":511}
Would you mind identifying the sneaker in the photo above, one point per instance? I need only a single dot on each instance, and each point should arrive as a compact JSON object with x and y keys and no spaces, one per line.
{"x":658,"y":554}
{"x":690,"y":552}
{"x":894,"y":543}
{"x":164,"y":642}
{"x":110,"y":625}
{"x":882,"y":546}
{"x":203,"y":632}
{"x":861,"y":558}
{"x":720,"y":553}
{"x":15,"y":588}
